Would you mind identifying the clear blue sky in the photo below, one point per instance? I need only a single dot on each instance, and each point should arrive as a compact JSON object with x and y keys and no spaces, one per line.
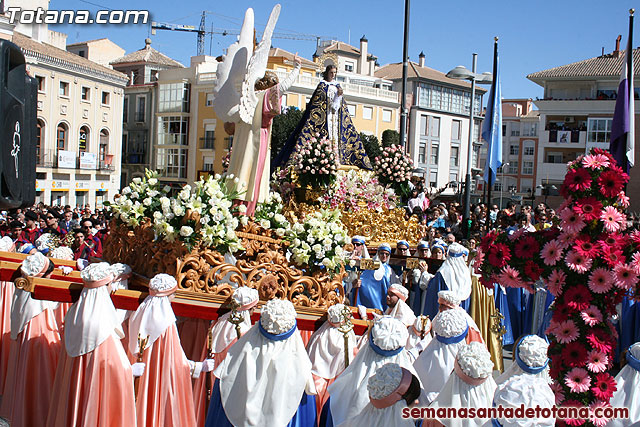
{"x":534,"y":35}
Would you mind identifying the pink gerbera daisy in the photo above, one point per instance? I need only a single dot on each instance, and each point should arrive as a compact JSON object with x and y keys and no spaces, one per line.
{"x":588,"y":208}
{"x":556,"y":281}
{"x":600,"y":280}
{"x":577,"y":262}
{"x":595,"y":161}
{"x":591,"y":315}
{"x":510,"y":277}
{"x":598,"y":421}
{"x":578,"y":380}
{"x":623,"y":199}
{"x":635,"y":262}
{"x":566,"y":239}
{"x":625,"y":276}
{"x":551,"y":252}
{"x":566,"y":332}
{"x":577,"y":180}
{"x":597,"y":361}
{"x":612,"y":219}
{"x":558,"y":392}
{"x":571,"y":221}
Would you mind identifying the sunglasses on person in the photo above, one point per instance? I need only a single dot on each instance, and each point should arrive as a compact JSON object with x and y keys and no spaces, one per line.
{"x":357,"y":244}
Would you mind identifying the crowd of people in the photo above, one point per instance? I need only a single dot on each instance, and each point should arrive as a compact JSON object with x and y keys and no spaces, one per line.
{"x":88,"y":363}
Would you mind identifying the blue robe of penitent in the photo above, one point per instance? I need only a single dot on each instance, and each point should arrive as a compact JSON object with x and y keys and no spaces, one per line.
{"x":431,"y":306}
{"x":372,"y":292}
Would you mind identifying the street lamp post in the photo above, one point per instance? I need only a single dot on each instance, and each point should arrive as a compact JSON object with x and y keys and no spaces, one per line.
{"x":461,"y":73}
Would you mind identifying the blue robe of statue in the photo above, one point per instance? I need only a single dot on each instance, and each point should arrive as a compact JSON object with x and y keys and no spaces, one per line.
{"x":373,"y":293}
{"x":305,"y":416}
{"x":314,"y":121}
{"x":517,"y":301}
{"x":431,"y":306}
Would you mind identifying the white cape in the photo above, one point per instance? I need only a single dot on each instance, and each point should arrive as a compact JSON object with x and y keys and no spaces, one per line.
{"x":627,"y":395}
{"x":402,"y":312}
{"x":528,"y":390}
{"x":349,"y":394}
{"x":457,"y":276}
{"x":24,"y":308}
{"x":435,"y":364}
{"x":90,"y":321}
{"x":151,"y":319}
{"x":262,"y":381}
{"x":385,"y":417}
{"x":224,"y":332}
{"x":458,"y":394}
{"x":326,"y":351}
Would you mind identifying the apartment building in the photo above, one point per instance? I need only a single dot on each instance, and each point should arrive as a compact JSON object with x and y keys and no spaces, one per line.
{"x":576,"y":112}
{"x":438,"y":123}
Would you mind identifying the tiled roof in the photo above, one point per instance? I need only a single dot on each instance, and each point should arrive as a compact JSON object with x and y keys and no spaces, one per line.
{"x":342,"y":47}
{"x":276,"y":51}
{"x":87,"y":42}
{"x":49,"y":54}
{"x":149,"y":55}
{"x":415,"y":71}
{"x":601,"y":66}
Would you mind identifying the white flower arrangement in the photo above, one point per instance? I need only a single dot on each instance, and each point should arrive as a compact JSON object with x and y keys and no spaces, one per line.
{"x":384,"y":381}
{"x":269,"y":215}
{"x":318,"y":241}
{"x":140,"y":200}
{"x":475,"y":360}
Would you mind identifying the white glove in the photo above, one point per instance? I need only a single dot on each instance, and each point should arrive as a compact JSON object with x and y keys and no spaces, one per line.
{"x":425,"y":279}
{"x":362,"y":311}
{"x":82,"y":263}
{"x":137,"y":369}
{"x":208,"y":365}
{"x":196,"y":368}
{"x":66,"y":270}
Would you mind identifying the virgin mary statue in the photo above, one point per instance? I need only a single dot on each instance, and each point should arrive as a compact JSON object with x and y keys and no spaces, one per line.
{"x":327,"y":116}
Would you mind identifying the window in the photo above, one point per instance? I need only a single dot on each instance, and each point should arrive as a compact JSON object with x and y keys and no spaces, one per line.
{"x":173,"y":130}
{"x":497,"y":186}
{"x":62,"y":133}
{"x":513,"y":150}
{"x":453,"y":160}
{"x":554,"y":157}
{"x":141,"y":108}
{"x":424,"y":128}
{"x":352,"y":109}
{"x":125,"y":110}
{"x":85,"y":94}
{"x":386,"y":115}
{"x":422,"y":152}
{"x":173,"y":98}
{"x":526,"y":185}
{"x":515,"y":129}
{"x":105,"y":98}
{"x":434,"y":129}
{"x":208,"y":142}
{"x":513,"y":167}
{"x":367,"y":113}
{"x":433,"y":156}
{"x":209,"y":101}
{"x":348,"y":66}
{"x":207,"y":164}
{"x":83,"y":138}
{"x":529,"y":129}
{"x":39,"y":140}
{"x":504,"y":130}
{"x":172,"y":162}
{"x":64,"y":89}
{"x":103,"y":150}
{"x":453,"y":177}
{"x":41,"y":83}
{"x":433,"y":178}
{"x":599,"y":130}
{"x":527,"y":168}
{"x":81,"y":53}
{"x":455,"y":130}
{"x":529,"y":148}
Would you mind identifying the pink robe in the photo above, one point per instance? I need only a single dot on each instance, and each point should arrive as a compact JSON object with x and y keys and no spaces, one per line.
{"x":193,"y":336}
{"x":6,"y":296}
{"x":59,"y":314}
{"x":164,"y":394}
{"x":31,"y":372}
{"x":95,"y":389}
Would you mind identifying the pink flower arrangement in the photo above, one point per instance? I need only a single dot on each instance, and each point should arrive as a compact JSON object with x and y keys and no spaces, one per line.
{"x":355,"y":190}
{"x":393,"y":168}
{"x":315,"y":163}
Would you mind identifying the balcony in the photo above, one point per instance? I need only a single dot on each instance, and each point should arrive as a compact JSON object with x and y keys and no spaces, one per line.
{"x":568,"y":139}
{"x":207,"y":143}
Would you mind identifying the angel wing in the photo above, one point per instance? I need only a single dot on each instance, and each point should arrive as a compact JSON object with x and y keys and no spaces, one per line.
{"x":231,"y":73}
{"x":257,"y":67}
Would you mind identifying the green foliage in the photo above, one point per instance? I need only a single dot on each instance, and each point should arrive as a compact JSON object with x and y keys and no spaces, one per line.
{"x":371,"y":146}
{"x":390,"y":137}
{"x":283,"y":126}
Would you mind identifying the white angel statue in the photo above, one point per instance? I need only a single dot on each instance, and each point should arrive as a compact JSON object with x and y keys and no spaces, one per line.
{"x":248,"y":96}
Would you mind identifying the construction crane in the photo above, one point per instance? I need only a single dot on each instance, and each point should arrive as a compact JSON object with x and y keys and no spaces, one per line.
{"x":202,"y":32}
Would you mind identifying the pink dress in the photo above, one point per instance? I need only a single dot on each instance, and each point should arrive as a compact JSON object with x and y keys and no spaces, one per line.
{"x":6,"y":296}
{"x":193,"y":336}
{"x":95,"y":389}
{"x":31,"y":371}
{"x":164,"y":394}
